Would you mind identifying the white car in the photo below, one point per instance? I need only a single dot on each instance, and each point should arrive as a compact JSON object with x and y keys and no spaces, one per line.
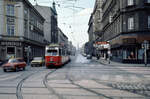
{"x":89,"y":56}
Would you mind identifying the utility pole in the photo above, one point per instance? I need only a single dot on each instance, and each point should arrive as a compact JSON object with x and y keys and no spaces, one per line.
{"x":145,"y":45}
{"x":28,"y":55}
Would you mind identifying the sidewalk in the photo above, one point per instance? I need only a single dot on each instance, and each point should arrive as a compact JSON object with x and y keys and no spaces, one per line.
{"x":112,"y":63}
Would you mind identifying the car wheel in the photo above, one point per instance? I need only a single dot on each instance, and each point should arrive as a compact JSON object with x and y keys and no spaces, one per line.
{"x":16,"y":69}
{"x":4,"y":70}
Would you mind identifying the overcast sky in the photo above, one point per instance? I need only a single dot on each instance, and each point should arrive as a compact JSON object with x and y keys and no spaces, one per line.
{"x":72,"y":20}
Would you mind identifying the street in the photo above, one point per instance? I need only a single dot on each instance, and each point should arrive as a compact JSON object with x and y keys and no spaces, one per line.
{"x":79,"y":79}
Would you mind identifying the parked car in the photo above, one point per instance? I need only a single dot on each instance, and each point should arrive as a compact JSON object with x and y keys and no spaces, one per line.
{"x":14,"y":64}
{"x":37,"y":61}
{"x":89,"y":56}
{"x":84,"y":54}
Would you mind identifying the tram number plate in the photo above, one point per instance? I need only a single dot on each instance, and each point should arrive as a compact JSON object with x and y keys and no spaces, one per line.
{"x":51,"y":62}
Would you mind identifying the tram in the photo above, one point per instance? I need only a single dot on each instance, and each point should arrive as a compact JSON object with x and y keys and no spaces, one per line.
{"x":56,"y":55}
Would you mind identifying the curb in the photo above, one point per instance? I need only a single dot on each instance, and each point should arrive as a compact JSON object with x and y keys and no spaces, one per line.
{"x":127,"y":65}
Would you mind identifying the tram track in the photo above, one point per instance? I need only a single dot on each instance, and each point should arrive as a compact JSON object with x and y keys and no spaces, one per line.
{"x":19,"y":86}
{"x":84,"y":88}
{"x":19,"y":93}
{"x":50,"y":89}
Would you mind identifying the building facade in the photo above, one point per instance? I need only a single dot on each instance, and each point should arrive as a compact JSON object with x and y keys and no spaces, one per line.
{"x":46,"y":13}
{"x":50,"y":24}
{"x":126,"y":24}
{"x":54,"y":25}
{"x":95,"y":28}
{"x":62,"y":38}
{"x":22,"y":26}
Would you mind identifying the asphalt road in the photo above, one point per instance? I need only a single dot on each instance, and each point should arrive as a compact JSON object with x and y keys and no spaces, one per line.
{"x":79,"y":79}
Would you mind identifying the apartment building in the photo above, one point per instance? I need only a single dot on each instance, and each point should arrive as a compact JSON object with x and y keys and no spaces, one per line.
{"x":21,"y":27}
{"x":126,"y":24}
{"x":50,"y":25}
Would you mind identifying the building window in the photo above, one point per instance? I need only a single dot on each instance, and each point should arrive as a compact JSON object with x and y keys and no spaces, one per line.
{"x":10,"y":30}
{"x":130,"y":2}
{"x":10,"y":52}
{"x":148,"y":21}
{"x":130,"y":23}
{"x":10,"y":10}
{"x":10,"y":26}
{"x":25,"y":13}
{"x":11,"y":20}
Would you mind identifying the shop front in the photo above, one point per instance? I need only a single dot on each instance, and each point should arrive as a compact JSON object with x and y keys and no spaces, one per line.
{"x":17,"y":49}
{"x":129,"y":53}
{"x":10,"y":49}
{"x":102,"y":49}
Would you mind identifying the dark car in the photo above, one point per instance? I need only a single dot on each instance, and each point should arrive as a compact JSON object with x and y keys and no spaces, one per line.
{"x":14,"y":64}
{"x":1,"y":62}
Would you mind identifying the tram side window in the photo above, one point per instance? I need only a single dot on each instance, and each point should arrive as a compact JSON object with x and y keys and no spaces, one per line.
{"x":63,"y":52}
{"x":60,"y":52}
{"x":52,"y":52}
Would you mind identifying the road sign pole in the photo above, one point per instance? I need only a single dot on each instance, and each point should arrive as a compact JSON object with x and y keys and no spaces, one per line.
{"x":145,"y":45}
{"x":28,"y":55}
{"x":145,"y":59}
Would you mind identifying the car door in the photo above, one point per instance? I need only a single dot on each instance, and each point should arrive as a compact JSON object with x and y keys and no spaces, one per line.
{"x":21,"y":63}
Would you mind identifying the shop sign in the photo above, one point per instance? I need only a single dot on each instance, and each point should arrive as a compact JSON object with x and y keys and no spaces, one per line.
{"x":99,"y":43}
{"x":129,"y":41}
{"x":10,"y":43}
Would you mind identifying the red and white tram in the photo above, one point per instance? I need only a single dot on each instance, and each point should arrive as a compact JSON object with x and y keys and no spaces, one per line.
{"x":56,"y":55}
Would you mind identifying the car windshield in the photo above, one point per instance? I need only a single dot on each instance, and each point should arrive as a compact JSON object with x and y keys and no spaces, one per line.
{"x":37,"y":58}
{"x":12,"y":60}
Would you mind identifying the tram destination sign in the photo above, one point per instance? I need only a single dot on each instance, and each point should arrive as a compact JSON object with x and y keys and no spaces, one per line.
{"x":10,"y":43}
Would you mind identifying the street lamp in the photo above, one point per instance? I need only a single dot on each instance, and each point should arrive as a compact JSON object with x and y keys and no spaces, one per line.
{"x":145,"y":46}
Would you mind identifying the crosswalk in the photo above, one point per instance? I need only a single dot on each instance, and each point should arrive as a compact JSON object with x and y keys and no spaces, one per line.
{"x":122,"y":78}
{"x":5,"y":77}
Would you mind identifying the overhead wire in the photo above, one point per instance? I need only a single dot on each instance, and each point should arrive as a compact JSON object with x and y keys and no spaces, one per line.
{"x":63,"y":4}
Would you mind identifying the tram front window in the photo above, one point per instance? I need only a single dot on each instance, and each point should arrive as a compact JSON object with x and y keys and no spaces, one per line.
{"x":52,"y":52}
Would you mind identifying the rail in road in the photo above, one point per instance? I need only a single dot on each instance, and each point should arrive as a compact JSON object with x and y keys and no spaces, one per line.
{"x":45,"y":81}
{"x":19,"y":93}
{"x":84,"y":88}
{"x":19,"y":86}
{"x":74,"y":83}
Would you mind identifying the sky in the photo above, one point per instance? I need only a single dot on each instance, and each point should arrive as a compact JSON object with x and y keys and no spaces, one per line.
{"x":73,"y":17}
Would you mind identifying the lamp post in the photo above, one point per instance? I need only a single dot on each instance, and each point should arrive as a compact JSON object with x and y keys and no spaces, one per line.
{"x":145,"y":46}
{"x":109,"y":52}
{"x":28,"y":55}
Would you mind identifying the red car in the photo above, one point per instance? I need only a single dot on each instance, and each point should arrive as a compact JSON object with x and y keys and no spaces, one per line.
{"x":14,"y":64}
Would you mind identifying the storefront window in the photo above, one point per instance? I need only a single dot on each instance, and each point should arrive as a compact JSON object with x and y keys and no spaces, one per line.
{"x":140,"y":54}
{"x":129,"y":54}
{"x":10,"y":52}
{"x":124,"y":54}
